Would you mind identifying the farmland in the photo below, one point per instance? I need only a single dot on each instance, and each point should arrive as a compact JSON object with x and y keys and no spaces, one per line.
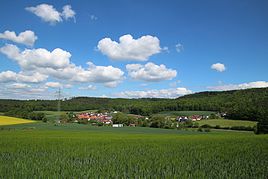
{"x":226,"y":123}
{"x":81,"y":151}
{"x":184,"y":113}
{"x":5,"y":120}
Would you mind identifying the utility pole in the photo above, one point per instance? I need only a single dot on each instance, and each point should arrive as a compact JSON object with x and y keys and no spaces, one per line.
{"x":59,"y":96}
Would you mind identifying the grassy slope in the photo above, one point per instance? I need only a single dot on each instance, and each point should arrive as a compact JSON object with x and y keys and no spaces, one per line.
{"x":5,"y":120}
{"x":226,"y":122}
{"x":52,"y":115}
{"x":97,"y":154}
{"x":184,"y":113}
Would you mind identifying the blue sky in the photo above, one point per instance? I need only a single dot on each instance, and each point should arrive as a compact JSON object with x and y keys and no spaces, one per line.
{"x":222,"y":45}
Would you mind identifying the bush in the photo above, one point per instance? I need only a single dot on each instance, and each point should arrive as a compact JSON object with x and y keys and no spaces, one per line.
{"x":206,"y":126}
{"x":242,"y":128}
{"x":200,"y":129}
{"x":207,"y":129}
{"x":217,"y":127}
{"x":189,"y":123}
{"x":195,"y":125}
{"x":261,"y":128}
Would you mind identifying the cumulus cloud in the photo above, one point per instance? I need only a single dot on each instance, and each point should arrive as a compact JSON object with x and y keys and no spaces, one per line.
{"x":19,"y":86}
{"x":33,"y":58}
{"x":179,"y":47}
{"x":57,"y":64}
{"x":10,"y":76}
{"x":24,"y":91}
{"x":256,"y":84}
{"x":67,"y":12}
{"x":163,"y":93}
{"x":89,"y":87}
{"x":130,"y":49}
{"x":49,"y":14}
{"x":53,"y":85}
{"x":27,"y":37}
{"x":218,"y":67}
{"x":150,"y":72}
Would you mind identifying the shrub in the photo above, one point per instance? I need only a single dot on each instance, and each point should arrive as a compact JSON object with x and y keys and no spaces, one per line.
{"x":217,"y":127}
{"x":207,"y":129}
{"x":206,"y":126}
{"x":200,"y":129}
{"x":242,"y":128}
{"x":261,"y":127}
{"x":189,"y":123}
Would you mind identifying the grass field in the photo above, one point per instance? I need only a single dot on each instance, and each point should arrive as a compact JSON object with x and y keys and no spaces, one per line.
{"x":81,"y":151}
{"x":227,"y":122}
{"x":184,"y":113}
{"x":52,"y":115}
{"x":5,"y":120}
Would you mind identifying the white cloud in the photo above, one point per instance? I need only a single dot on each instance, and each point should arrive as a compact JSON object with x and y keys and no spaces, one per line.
{"x":33,"y":58}
{"x":53,"y":85}
{"x":93,"y":17}
{"x":10,"y":76}
{"x":27,"y":37}
{"x":163,"y":93}
{"x":89,"y":87}
{"x":165,"y":49}
{"x":57,"y":64}
{"x":218,"y":67}
{"x":49,"y":14}
{"x":19,"y":86}
{"x":24,"y":91}
{"x":130,"y":49}
{"x":46,"y":12}
{"x":67,"y":12}
{"x":150,"y":72}
{"x":256,"y":84}
{"x":179,"y":47}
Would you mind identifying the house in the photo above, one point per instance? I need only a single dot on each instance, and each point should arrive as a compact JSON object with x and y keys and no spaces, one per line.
{"x":196,"y":117}
{"x":83,"y":116}
{"x":182,"y":118}
{"x":117,"y":125}
{"x":132,"y":125}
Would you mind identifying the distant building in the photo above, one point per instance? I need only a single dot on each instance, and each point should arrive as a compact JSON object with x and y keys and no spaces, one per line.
{"x":182,"y":118}
{"x":117,"y":125}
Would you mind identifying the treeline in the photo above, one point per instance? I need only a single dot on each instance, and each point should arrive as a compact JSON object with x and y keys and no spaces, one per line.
{"x":27,"y":114}
{"x":249,"y":104}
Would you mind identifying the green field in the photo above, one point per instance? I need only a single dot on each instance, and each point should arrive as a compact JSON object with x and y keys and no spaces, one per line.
{"x":52,"y":115}
{"x":227,"y":122}
{"x":43,"y":150}
{"x":184,"y":113}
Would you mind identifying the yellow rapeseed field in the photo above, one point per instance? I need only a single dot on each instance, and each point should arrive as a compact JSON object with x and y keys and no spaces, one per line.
{"x":5,"y":120}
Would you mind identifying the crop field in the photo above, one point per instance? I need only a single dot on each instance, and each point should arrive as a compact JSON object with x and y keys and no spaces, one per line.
{"x":184,"y":113}
{"x":227,"y":122}
{"x":97,"y":152}
{"x":5,"y":120}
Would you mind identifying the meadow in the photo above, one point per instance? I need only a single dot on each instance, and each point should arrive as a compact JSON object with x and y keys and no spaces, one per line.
{"x":184,"y":113}
{"x":226,"y":123}
{"x":82,"y":151}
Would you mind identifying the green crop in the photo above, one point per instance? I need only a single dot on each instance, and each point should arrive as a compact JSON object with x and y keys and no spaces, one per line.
{"x":83,"y":154}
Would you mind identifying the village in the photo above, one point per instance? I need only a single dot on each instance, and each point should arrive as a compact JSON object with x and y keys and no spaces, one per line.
{"x":111,"y":119}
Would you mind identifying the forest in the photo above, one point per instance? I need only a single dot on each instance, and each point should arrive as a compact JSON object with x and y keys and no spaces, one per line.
{"x":248,"y":104}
